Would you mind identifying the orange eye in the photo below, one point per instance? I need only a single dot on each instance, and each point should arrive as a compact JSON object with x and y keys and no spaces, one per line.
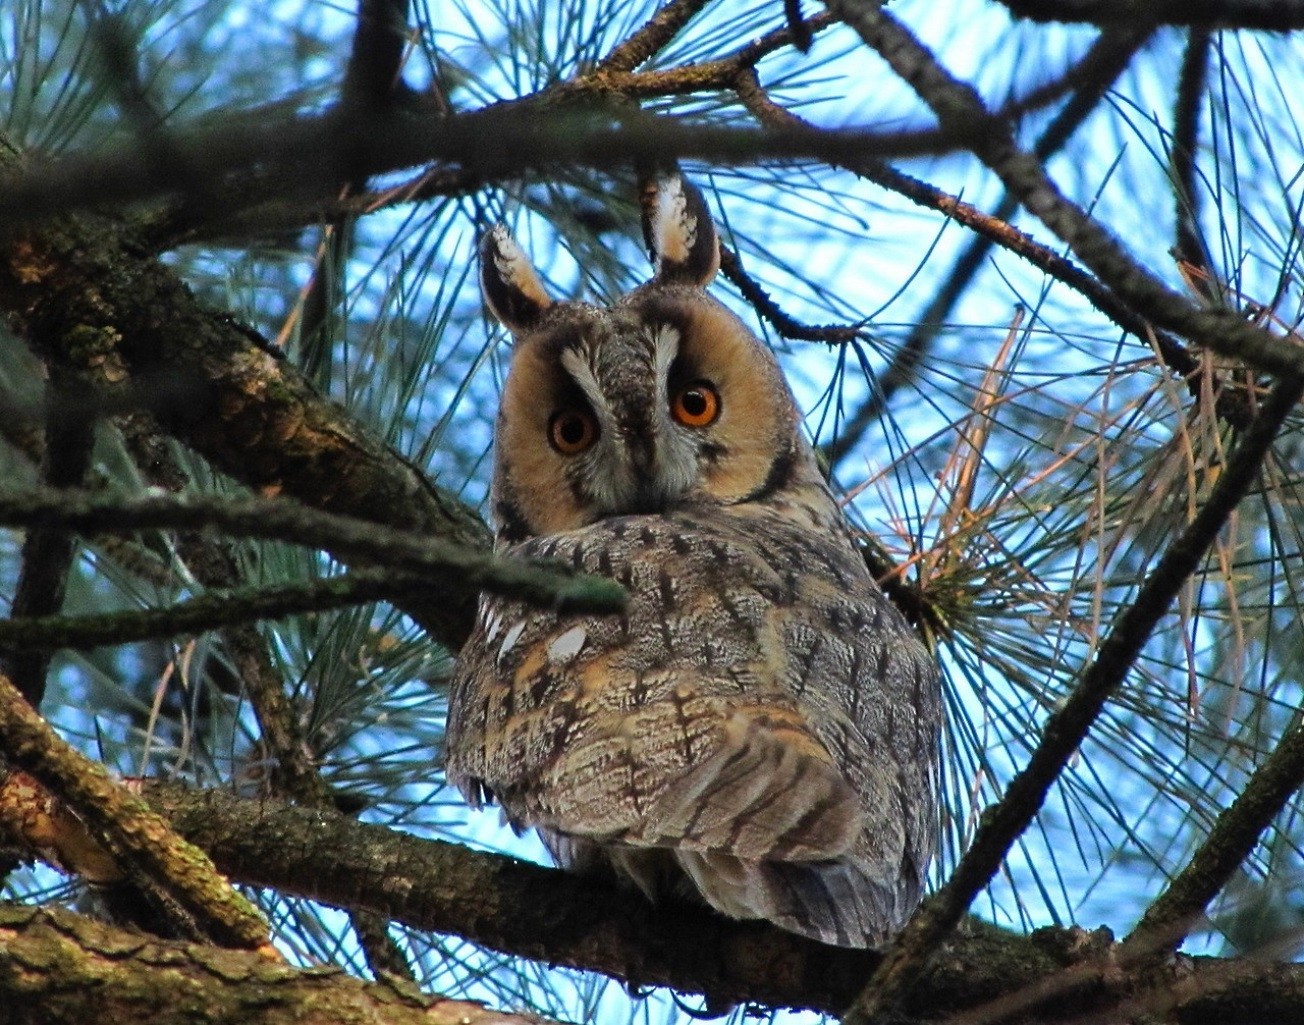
{"x":571,"y":431}
{"x":696,"y":404}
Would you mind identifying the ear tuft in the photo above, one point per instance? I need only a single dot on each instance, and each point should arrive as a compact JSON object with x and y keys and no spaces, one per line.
{"x":683,"y":236}
{"x":511,"y":287}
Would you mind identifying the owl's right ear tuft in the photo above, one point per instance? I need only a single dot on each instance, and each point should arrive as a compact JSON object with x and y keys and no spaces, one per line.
{"x":511,"y":287}
{"x":678,"y":226}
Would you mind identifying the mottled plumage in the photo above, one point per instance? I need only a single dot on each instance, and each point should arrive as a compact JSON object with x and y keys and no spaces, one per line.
{"x":760,"y":727}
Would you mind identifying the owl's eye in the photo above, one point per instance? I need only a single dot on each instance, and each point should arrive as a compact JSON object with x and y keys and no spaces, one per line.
{"x":571,"y":431}
{"x":696,"y":404}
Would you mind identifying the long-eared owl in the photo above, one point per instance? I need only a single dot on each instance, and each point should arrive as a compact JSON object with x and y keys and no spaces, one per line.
{"x":760,"y":726}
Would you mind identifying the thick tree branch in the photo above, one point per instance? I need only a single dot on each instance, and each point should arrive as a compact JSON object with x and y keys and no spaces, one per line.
{"x":63,"y":969}
{"x":589,"y":923}
{"x":307,"y":156}
{"x":87,"y":298}
{"x":133,"y":833}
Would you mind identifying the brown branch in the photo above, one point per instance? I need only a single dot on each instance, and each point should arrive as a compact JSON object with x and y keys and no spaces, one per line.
{"x":1224,"y":850}
{"x":592,"y":924}
{"x":1273,"y":15}
{"x":307,"y":156}
{"x":206,"y":612}
{"x":1066,"y":728}
{"x":374,"y":72}
{"x":765,"y":307}
{"x":653,"y":37}
{"x":1182,"y":166}
{"x":68,"y":970}
{"x":87,"y":298}
{"x":962,"y":114}
{"x":131,"y":831}
{"x":47,"y":554}
{"x":1091,"y":77}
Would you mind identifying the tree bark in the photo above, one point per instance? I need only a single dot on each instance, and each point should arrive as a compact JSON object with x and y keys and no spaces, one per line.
{"x":57,"y":967}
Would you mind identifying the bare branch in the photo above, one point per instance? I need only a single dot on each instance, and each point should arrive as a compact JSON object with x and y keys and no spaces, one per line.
{"x":76,"y":970}
{"x":206,"y":612}
{"x":47,"y":554}
{"x":653,"y":37}
{"x":589,"y":923}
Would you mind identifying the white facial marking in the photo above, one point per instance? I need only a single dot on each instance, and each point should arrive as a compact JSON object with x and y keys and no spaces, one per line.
{"x":509,"y":642}
{"x":564,"y":648}
{"x":665,"y":340}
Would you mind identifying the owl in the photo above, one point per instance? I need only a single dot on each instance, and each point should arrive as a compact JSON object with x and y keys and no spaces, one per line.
{"x":760,"y":727}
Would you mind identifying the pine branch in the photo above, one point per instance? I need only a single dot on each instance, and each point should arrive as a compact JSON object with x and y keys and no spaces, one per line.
{"x":1066,"y":728}
{"x":586,"y":922}
{"x":1273,"y":15}
{"x":206,"y":612}
{"x":962,"y":114}
{"x":88,"y":301}
{"x":456,"y":569}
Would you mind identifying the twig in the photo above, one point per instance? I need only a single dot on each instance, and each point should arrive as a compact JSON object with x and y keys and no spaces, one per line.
{"x":1002,"y":823}
{"x":1224,"y":850}
{"x":1185,"y":146}
{"x":961,"y":113}
{"x":655,"y":34}
{"x":768,"y":309}
{"x":1274,"y":15}
{"x":459,"y":568}
{"x":47,"y":554}
{"x":206,"y":612}
{"x":1099,"y":67}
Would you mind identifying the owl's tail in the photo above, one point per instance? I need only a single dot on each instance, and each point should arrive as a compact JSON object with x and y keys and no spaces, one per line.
{"x":834,"y":902}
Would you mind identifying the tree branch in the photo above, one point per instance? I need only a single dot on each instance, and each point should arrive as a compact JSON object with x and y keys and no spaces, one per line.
{"x":593,"y":924}
{"x":47,"y":554}
{"x":68,"y":970}
{"x":87,"y":299}
{"x":1273,"y":15}
{"x":1002,"y":823}
{"x":961,"y":113}
{"x":210,"y":611}
{"x":133,"y":833}
{"x":460,"y":571}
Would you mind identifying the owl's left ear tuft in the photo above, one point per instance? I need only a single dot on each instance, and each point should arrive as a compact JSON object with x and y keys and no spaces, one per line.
{"x":682,"y":234}
{"x":510,"y":285}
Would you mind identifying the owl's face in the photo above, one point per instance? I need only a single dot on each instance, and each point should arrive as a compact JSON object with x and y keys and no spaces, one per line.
{"x":661,"y":400}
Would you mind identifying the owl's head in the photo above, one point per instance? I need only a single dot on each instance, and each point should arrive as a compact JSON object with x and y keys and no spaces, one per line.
{"x":661,"y":400}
